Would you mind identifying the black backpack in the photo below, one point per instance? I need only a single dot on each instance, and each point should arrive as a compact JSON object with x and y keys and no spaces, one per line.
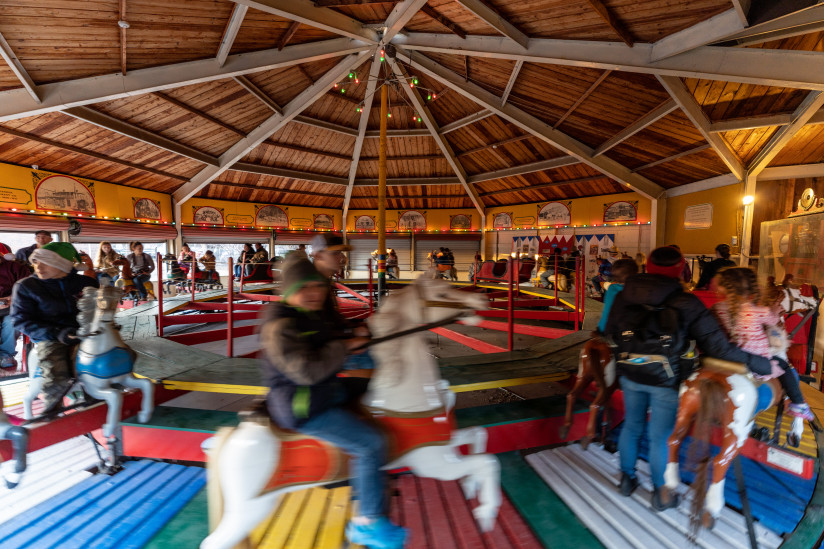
{"x":650,"y":344}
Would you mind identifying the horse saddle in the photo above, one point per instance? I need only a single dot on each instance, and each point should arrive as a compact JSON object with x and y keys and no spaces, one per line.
{"x":725,"y":367}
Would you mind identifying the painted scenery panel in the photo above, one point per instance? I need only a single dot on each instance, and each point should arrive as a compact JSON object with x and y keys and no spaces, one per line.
{"x":365,"y":223}
{"x":460,"y":221}
{"x":208,"y":214}
{"x":554,"y":213}
{"x":272,"y":216}
{"x":65,"y":194}
{"x":502,"y":221}
{"x":620,"y":211}
{"x":146,"y":208}
{"x":411,"y":221}
{"x":324,"y":221}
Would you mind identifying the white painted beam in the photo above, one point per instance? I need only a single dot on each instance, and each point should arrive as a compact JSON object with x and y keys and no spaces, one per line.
{"x":712,"y":30}
{"x":307,"y":13}
{"x":704,"y":185}
{"x":249,"y":167}
{"x":798,"y":171}
{"x":781,"y":68}
{"x":676,"y":156}
{"x":742,"y":8}
{"x":400,"y":16}
{"x":465,"y":121}
{"x":17,"y":68}
{"x":647,"y":120}
{"x":407,"y":181}
{"x":413,"y":132}
{"x":523,"y":169}
{"x":230,"y":33}
{"x":443,"y":144}
{"x":268,"y":127}
{"x":494,"y":20}
{"x":751,"y":123}
{"x":746,"y":223}
{"x":516,"y":70}
{"x":259,"y":94}
{"x":798,"y":22}
{"x":122,"y":127}
{"x":371,"y":85}
{"x":16,"y":104}
{"x":679,"y":92}
{"x":534,"y":126}
{"x":780,"y":139}
{"x":324,"y":125}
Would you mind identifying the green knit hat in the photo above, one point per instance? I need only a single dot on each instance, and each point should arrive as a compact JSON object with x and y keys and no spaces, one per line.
{"x":60,"y":255}
{"x":296,"y":273}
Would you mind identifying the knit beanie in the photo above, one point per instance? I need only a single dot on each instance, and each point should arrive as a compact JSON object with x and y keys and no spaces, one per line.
{"x":296,"y":273}
{"x":666,"y":261}
{"x":5,"y":252}
{"x":60,"y":255}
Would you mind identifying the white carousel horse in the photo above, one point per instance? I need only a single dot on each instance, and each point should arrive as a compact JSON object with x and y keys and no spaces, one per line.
{"x":103,"y":360}
{"x":12,"y":471}
{"x":251,"y":465}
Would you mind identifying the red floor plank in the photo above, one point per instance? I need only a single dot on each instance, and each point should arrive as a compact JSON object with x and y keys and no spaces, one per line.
{"x":524,"y":329}
{"x":412,"y":515}
{"x":439,"y":531}
{"x":517,"y":530}
{"x":496,"y":539}
{"x":460,"y":516}
{"x":471,"y":342}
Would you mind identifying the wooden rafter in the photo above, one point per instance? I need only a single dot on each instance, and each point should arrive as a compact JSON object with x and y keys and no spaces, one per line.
{"x":583,"y":98}
{"x":712,"y":30}
{"x":403,"y":158}
{"x":169,"y":99}
{"x":306,"y":150}
{"x":524,"y":169}
{"x":804,"y":21}
{"x":17,"y":68}
{"x":288,"y":34}
{"x":250,"y":87}
{"x":648,"y":119}
{"x":546,"y":185}
{"x":230,"y":32}
{"x":496,"y":144}
{"x":337,"y":3}
{"x":123,"y":26}
{"x":445,"y":21}
{"x":516,"y":70}
{"x":399,"y":17}
{"x":495,"y":20}
{"x":676,"y":156}
{"x":465,"y":121}
{"x":258,"y":187}
{"x":466,"y":68}
{"x":613,"y":22}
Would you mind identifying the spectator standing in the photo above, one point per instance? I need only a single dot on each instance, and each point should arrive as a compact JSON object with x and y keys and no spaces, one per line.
{"x":41,"y":238}
{"x":722,"y":259}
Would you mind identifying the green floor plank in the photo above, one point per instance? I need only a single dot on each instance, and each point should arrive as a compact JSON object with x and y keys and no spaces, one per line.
{"x":510,"y":412}
{"x":187,"y":419}
{"x":187,"y":529}
{"x":555,"y":525}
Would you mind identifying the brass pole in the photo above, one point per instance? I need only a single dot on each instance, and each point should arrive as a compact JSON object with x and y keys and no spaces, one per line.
{"x":382,"y":194}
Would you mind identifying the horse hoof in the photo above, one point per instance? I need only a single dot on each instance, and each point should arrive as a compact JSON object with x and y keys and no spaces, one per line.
{"x":144,"y":417}
{"x":563,"y":432}
{"x":793,"y":440}
{"x":707,"y":520}
{"x":610,"y":446}
{"x":585,"y":442}
{"x":12,"y":480}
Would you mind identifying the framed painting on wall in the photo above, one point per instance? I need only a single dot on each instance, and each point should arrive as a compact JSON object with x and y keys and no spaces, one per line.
{"x":502,"y":221}
{"x":554,"y":213}
{"x":365,"y":223}
{"x":271,"y":216}
{"x":323,"y":221}
{"x":620,"y":211}
{"x":460,"y":221}
{"x":146,"y":208}
{"x":411,"y":221}
{"x":64,"y":194}
{"x":208,"y":214}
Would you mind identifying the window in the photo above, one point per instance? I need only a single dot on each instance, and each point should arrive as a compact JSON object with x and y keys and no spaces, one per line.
{"x":222,"y":254}
{"x":151,"y":248}
{"x":281,"y":250}
{"x":17,"y":240}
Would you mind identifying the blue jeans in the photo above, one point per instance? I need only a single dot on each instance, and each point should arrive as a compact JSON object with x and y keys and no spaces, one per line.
{"x":138,"y":284}
{"x":367,"y":447}
{"x":8,"y":337}
{"x":662,"y":404}
{"x":545,"y":276}
{"x":361,"y":361}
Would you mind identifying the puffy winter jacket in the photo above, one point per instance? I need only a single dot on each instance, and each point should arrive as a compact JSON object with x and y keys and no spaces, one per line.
{"x":695,"y":322}
{"x":11,"y":272}
{"x":41,"y":309}
{"x":712,"y":268}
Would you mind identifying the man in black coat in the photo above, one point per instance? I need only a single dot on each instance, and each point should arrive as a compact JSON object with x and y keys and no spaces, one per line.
{"x":722,"y":260}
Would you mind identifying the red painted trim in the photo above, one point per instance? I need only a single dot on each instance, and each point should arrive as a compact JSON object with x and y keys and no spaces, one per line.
{"x":208,"y":317}
{"x":211,"y":335}
{"x":218,"y":306}
{"x":563,"y":316}
{"x":163,"y":443}
{"x":471,"y":342}
{"x":256,"y":297}
{"x":524,"y":329}
{"x":524,"y":303}
{"x":352,"y":292}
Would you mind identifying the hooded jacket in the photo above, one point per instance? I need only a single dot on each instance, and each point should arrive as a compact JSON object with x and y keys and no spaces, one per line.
{"x":695,"y":322}
{"x":711,"y":269}
{"x":42,"y":309}
{"x":10,"y":272}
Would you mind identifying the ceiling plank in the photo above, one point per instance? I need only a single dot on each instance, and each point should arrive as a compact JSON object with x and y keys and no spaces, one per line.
{"x":802,"y":21}
{"x":679,"y":92}
{"x":432,"y":125}
{"x":336,"y":3}
{"x":306,"y":150}
{"x":16,"y":104}
{"x":780,"y":139}
{"x":583,"y":98}
{"x":288,"y":34}
{"x":516,"y":70}
{"x":648,"y":119}
{"x":494,"y":20}
{"x":612,"y":22}
{"x":17,"y":68}
{"x":415,"y":132}
{"x":497,"y":144}
{"x":446,"y":22}
{"x":410,"y":181}
{"x":399,"y":17}
{"x":534,"y":126}
{"x":122,"y":127}
{"x":465,"y":121}
{"x":765,"y":67}
{"x":712,"y":30}
{"x":704,"y":185}
{"x":257,"y":187}
{"x":259,"y":94}
{"x":197,"y":112}
{"x":307,"y":13}
{"x":267,"y":128}
{"x":230,"y":32}
{"x":90,"y":153}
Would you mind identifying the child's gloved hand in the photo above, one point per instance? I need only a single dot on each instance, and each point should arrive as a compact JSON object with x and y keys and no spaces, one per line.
{"x":67,"y":336}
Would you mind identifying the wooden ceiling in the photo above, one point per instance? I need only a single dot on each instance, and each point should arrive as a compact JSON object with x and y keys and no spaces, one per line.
{"x":516,"y":101}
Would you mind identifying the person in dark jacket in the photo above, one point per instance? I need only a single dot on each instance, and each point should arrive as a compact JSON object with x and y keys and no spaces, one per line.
{"x":44,"y":307}
{"x":41,"y":238}
{"x":142,"y":266}
{"x":661,"y":287}
{"x":303,"y":351}
{"x":11,"y":271}
{"x":722,"y":259}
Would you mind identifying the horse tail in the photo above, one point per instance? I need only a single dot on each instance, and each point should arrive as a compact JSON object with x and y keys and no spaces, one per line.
{"x":214,"y":492}
{"x":712,"y":396}
{"x":597,"y":354}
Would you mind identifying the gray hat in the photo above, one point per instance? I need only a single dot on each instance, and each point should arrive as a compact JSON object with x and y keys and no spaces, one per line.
{"x":296,"y":273}
{"x":328,"y":242}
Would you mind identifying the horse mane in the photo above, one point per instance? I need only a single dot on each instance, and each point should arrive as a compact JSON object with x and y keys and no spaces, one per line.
{"x":86,"y":305}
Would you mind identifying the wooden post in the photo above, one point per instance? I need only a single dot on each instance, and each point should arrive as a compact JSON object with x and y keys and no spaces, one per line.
{"x":510,"y":316}
{"x":159,"y":295}
{"x":230,"y":340}
{"x":192,"y":275}
{"x":382,"y":194}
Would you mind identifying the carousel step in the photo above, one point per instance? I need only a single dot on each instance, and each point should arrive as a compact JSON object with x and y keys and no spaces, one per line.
{"x":588,"y":482}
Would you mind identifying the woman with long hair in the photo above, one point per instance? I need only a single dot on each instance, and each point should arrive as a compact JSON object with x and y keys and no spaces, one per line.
{"x":107,"y":271}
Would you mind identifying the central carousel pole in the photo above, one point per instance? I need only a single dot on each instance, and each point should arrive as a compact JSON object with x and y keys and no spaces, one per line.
{"x":382,"y":194}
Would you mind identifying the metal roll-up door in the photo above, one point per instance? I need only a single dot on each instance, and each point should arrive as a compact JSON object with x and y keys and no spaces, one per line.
{"x":293,"y":238}
{"x":31,"y":223}
{"x":221,"y":235}
{"x":463,"y":249}
{"x":95,"y":230}
{"x":362,"y":249}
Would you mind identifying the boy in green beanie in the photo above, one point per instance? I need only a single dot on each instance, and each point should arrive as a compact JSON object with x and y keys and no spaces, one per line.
{"x":44,"y":307}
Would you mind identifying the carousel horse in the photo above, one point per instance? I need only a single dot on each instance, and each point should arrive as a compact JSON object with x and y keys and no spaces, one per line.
{"x":251,"y":465}
{"x":126,"y":280}
{"x":103,"y":362}
{"x":595,"y":364}
{"x":19,"y":437}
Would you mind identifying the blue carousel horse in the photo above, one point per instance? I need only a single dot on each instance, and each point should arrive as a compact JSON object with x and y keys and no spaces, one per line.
{"x":19,"y":437}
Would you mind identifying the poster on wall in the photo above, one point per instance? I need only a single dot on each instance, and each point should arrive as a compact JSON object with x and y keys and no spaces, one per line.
{"x":64,"y":194}
{"x":146,"y":208}
{"x":365,"y":223}
{"x":460,"y":221}
{"x":620,"y":211}
{"x":526,"y":246}
{"x":271,"y":216}
{"x":208,"y":214}
{"x":323,"y":221}
{"x":502,"y":221}
{"x":554,"y":213}
{"x":698,"y":216}
{"x":411,"y":221}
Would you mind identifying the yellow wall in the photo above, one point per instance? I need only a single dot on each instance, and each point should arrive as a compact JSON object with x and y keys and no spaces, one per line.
{"x":726,"y":214}
{"x":243,"y":213}
{"x":583,"y":211}
{"x":18,"y":185}
{"x":435,"y":219}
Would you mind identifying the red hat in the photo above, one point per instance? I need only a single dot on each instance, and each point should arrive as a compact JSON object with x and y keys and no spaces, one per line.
{"x":4,"y":249}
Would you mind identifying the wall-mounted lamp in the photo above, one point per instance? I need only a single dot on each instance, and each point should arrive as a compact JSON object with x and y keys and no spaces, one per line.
{"x":749,"y":199}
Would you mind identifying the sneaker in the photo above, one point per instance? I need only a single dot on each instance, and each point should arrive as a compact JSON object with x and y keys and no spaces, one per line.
{"x":8,"y":362}
{"x":663,"y":499}
{"x":628,"y":484}
{"x":380,"y":534}
{"x":801,"y":410}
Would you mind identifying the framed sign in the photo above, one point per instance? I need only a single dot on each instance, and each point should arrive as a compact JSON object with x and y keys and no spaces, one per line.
{"x":208,"y":214}
{"x":620,"y":211}
{"x":365,"y":223}
{"x":502,"y":221}
{"x":698,"y":216}
{"x":323,"y":221}
{"x":236,"y":219}
{"x":146,"y":208}
{"x":411,"y":221}
{"x":554,"y":213}
{"x":460,"y":221}
{"x":64,"y":194}
{"x":271,"y":216}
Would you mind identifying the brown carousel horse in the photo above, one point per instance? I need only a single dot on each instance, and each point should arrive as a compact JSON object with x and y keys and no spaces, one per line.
{"x":596,"y":364}
{"x":126,"y":280}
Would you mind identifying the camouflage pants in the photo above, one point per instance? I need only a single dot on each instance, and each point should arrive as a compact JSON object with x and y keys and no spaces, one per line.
{"x":55,"y":360}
